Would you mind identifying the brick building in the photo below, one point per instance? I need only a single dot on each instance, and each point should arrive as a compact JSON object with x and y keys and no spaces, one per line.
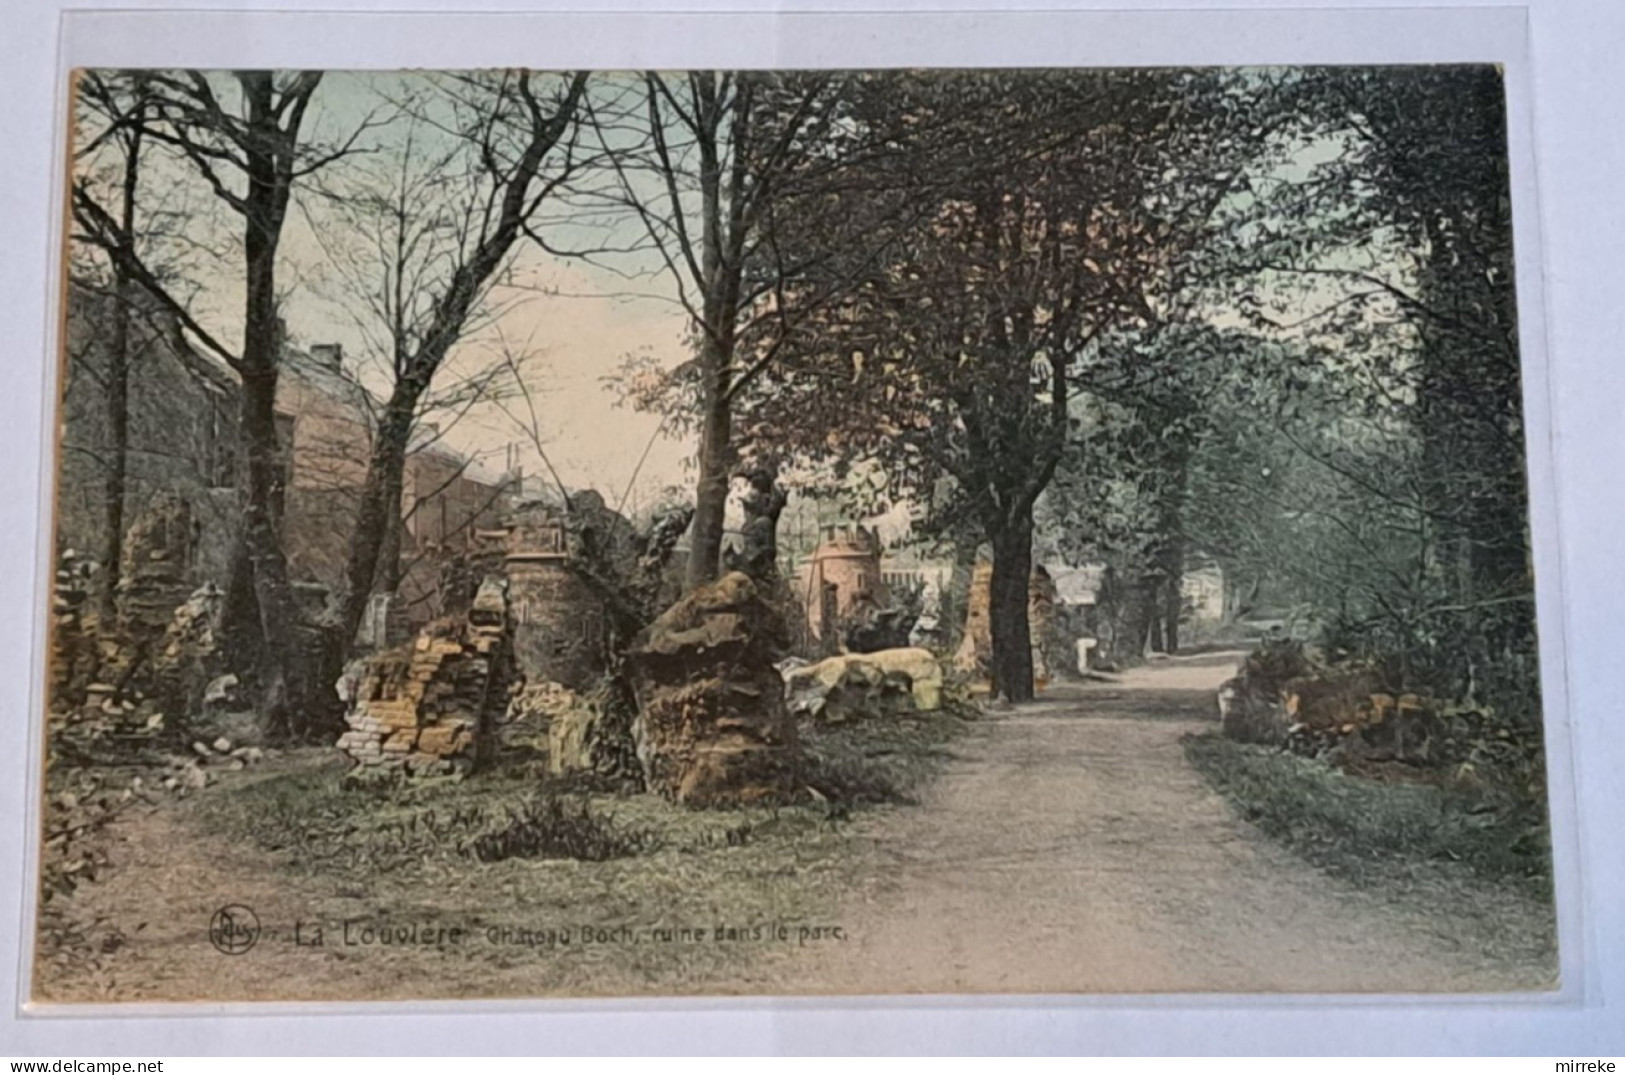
{"x":183,"y":440}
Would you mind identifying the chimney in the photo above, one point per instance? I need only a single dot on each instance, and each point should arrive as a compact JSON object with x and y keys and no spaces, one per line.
{"x":330,"y":356}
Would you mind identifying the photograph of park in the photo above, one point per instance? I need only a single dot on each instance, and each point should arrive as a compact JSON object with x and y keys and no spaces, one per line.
{"x":529,"y":534}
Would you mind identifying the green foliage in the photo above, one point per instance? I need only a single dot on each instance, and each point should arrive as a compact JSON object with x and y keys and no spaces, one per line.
{"x":1354,"y":450}
{"x":1029,"y":217}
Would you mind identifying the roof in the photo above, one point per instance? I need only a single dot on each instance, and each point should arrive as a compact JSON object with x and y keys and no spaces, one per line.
{"x":330,"y":383}
{"x":348,"y":391}
{"x":86,"y":300}
{"x":314,"y":372}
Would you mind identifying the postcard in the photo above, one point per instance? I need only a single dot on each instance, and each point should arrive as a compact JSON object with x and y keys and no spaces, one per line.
{"x":530,"y":534}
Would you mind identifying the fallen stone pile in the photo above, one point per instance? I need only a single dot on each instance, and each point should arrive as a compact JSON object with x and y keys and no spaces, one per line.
{"x":426,"y":706}
{"x":712,"y":727}
{"x":1377,"y":726}
{"x":75,"y":655}
{"x":1284,"y":697}
{"x":104,"y":731}
{"x":183,"y":775}
{"x":858,"y":685}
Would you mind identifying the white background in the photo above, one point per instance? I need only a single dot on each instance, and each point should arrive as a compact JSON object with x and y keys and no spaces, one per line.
{"x":1569,"y":228}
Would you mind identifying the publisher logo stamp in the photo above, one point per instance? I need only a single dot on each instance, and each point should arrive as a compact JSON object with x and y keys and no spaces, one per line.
{"x":234,"y":929}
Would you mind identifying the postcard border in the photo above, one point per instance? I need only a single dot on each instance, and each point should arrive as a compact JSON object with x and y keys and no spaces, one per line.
{"x":1402,"y":34}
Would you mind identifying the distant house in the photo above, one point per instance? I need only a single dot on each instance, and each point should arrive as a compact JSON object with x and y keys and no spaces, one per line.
{"x":182,"y":419}
{"x":1076,"y":587}
{"x":1203,"y":590}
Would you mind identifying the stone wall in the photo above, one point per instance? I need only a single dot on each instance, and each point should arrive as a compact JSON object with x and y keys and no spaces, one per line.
{"x":558,"y":621}
{"x":182,"y":432}
{"x":433,"y":704}
{"x":153,"y":577}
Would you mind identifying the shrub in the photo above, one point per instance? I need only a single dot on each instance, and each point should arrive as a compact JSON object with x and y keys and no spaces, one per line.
{"x":549,"y":827}
{"x":852,"y":781}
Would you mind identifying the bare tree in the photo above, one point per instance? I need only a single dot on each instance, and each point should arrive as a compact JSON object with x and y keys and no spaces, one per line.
{"x":244,"y":137}
{"x":708,"y":153}
{"x":438,"y":220}
{"x":122,"y":103}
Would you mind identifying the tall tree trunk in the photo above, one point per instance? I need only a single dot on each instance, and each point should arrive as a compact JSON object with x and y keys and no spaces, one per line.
{"x":1150,"y":598}
{"x":1135,"y":617}
{"x":375,"y":544}
{"x":721,"y":262}
{"x":118,"y":383}
{"x":711,"y":491}
{"x":118,"y":446}
{"x":1007,"y":612}
{"x":283,"y":694}
{"x":379,"y":510}
{"x":1173,"y":606}
{"x":1173,"y":590}
{"x":388,"y":577}
{"x":1238,"y":595}
{"x":239,"y":611}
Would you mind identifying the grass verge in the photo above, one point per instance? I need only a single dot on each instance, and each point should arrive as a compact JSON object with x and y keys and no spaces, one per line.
{"x":700,"y":896}
{"x":874,"y":762}
{"x":1367,"y":830}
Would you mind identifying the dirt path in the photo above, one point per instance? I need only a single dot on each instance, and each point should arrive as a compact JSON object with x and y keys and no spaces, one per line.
{"x":1070,"y":847}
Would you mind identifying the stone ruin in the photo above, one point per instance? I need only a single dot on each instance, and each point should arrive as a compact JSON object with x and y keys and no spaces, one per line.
{"x":843,"y":583}
{"x":975,"y":653}
{"x":852,"y":686}
{"x":153,"y":572}
{"x":557,"y":620}
{"x":712,"y":726}
{"x":156,"y":655}
{"x":431,"y":705}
